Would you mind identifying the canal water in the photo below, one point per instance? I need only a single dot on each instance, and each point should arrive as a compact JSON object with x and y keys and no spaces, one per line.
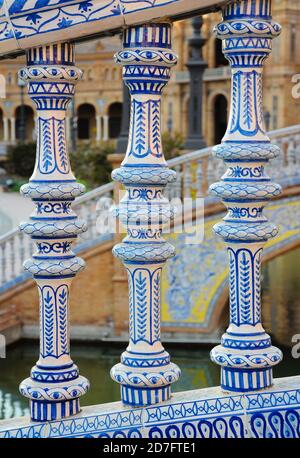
{"x":281,"y":305}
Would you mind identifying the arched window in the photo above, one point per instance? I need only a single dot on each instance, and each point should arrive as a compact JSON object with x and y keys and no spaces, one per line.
{"x":220,"y":118}
{"x":86,"y":121}
{"x":115,"y":116}
{"x":24,"y":116}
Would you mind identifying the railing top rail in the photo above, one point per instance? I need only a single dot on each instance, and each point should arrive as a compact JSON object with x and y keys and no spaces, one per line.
{"x":97,"y":192}
{"x":18,"y":32}
{"x":9,"y":235}
{"x":284,"y":132}
{"x":190,"y":157}
{"x":205,"y":152}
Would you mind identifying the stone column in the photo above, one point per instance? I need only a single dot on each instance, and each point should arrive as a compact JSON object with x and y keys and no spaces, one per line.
{"x":196,"y":66}
{"x":54,"y":386}
{"x":12,"y":130}
{"x":105,"y":128}
{"x":98,"y":128}
{"x":5,"y":130}
{"x":246,"y":355}
{"x":145,"y":372}
{"x":123,"y":137}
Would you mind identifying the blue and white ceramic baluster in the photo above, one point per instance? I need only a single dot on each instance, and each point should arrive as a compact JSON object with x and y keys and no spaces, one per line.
{"x":54,"y":386}
{"x":145,"y":372}
{"x":246,"y":355}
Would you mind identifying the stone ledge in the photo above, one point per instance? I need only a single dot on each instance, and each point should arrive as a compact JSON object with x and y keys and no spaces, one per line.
{"x":204,"y":413}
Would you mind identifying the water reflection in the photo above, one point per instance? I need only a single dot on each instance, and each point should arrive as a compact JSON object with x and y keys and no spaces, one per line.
{"x":95,"y":363}
{"x":281,"y":297}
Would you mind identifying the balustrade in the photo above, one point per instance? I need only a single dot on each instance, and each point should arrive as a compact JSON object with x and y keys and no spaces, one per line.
{"x":246,"y":355}
{"x":146,"y":373}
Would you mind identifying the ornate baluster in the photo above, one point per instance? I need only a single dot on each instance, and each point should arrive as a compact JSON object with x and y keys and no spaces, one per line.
{"x":12,"y":248}
{"x":55,"y":385}
{"x":3,"y":263}
{"x":145,"y":372}
{"x":246,"y":354}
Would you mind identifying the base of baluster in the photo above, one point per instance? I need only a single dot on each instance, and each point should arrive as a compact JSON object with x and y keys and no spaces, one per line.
{"x":245,"y":380}
{"x":51,"y":399}
{"x":47,"y":411}
{"x":144,"y":396}
{"x":147,"y":384}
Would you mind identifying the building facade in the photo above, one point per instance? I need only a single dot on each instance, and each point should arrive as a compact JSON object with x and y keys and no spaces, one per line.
{"x":97,"y":110}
